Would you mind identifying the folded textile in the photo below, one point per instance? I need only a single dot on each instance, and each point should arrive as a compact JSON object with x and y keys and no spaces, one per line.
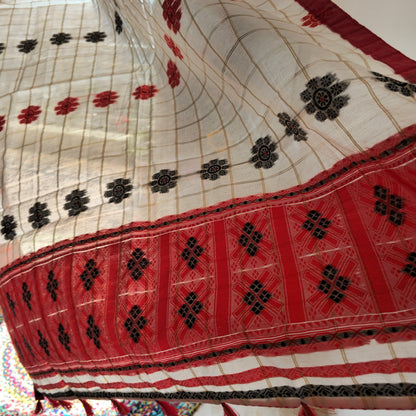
{"x":208,"y":200}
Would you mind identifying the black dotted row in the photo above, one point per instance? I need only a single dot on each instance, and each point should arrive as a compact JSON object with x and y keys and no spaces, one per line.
{"x":310,"y":390}
{"x":386,"y":153}
{"x":29,"y":45}
{"x":372,"y":332}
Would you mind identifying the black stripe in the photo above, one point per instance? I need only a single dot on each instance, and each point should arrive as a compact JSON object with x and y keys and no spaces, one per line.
{"x":257,"y":348}
{"x":401,"y":145}
{"x":362,"y":390}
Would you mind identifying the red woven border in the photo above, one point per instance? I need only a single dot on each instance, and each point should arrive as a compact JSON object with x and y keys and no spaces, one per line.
{"x":359,"y":36}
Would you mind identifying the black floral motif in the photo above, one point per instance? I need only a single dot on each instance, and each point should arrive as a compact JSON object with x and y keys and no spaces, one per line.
{"x":39,"y":214}
{"x":324,"y":96}
{"x":137,"y":264}
{"x":2,"y":47}
{"x":250,"y":239}
{"x":191,"y":252}
{"x":118,"y":22}
{"x":164,"y":180}
{"x":11,"y":303}
{"x":118,"y":190}
{"x":43,"y":343}
{"x":316,"y":224}
{"x":95,"y":37}
{"x":214,"y":169}
{"x":410,"y":268}
{"x":93,"y":332}
{"x":405,"y":88}
{"x":63,"y":337}
{"x":292,"y":127}
{"x":257,"y":297}
{"x":28,"y":347}
{"x":76,"y":202}
{"x":333,"y":284}
{"x":60,"y":38}
{"x":26,"y":295}
{"x":264,"y":154}
{"x":135,"y":323}
{"x":27,"y":46}
{"x":89,"y":274}
{"x":52,"y":285}
{"x":18,"y":349}
{"x":8,"y":225}
{"x":389,"y":205}
{"x":190,"y":309}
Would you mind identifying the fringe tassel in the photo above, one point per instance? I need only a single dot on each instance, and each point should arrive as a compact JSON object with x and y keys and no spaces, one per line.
{"x":228,"y":411}
{"x":39,"y":407}
{"x":60,"y":403}
{"x":121,"y":408}
{"x":167,"y":408}
{"x":305,"y":410}
{"x":87,"y":407}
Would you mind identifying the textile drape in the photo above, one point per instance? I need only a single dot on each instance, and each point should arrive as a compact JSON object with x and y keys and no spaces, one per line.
{"x":208,"y":200}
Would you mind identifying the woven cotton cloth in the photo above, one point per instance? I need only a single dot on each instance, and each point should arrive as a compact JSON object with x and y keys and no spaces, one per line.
{"x":208,"y":200}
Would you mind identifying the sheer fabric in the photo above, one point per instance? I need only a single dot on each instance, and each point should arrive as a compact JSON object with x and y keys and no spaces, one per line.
{"x":208,"y":200}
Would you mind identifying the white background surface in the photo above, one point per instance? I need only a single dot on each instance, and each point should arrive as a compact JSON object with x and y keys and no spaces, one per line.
{"x":395,"y":22}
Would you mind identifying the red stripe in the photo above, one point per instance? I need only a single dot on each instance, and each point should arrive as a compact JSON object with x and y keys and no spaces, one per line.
{"x":163,"y":295}
{"x":367,"y":254}
{"x":359,"y":36}
{"x":407,"y":365}
{"x":222,"y":270}
{"x":294,"y":304}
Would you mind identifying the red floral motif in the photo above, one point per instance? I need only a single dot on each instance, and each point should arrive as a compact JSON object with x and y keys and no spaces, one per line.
{"x":68,"y":105}
{"x":310,"y":20}
{"x":29,"y":114}
{"x":2,"y":122}
{"x":173,"y":74}
{"x":105,"y":98}
{"x":145,"y":92}
{"x":176,"y":51}
{"x":172,"y":13}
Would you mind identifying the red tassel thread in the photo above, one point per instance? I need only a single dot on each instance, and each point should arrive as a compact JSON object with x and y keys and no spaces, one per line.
{"x":39,"y":407}
{"x":87,"y":407}
{"x":228,"y":411}
{"x":60,"y":403}
{"x":167,"y":408}
{"x":121,"y":408}
{"x":305,"y":410}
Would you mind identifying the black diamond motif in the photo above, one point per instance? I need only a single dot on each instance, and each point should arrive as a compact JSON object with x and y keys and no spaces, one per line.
{"x":250,"y":239}
{"x":52,"y":285}
{"x":257,"y":297}
{"x":118,"y":22}
{"x":26,"y":295}
{"x":18,"y":349}
{"x":388,"y":204}
{"x":191,"y":253}
{"x":89,"y":274}
{"x":43,"y":343}
{"x":137,"y":264}
{"x":11,"y":303}
{"x":135,"y":323}
{"x":93,"y":332}
{"x":333,"y":284}
{"x":63,"y":337}
{"x":28,"y":347}
{"x":316,"y":224}
{"x":410,"y":268}
{"x":189,"y":309}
